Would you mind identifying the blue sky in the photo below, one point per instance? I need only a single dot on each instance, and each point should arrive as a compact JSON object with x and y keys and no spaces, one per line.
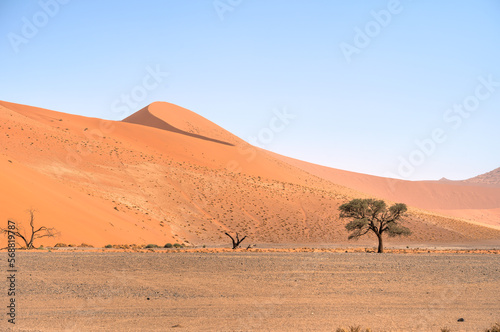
{"x":407,"y":89}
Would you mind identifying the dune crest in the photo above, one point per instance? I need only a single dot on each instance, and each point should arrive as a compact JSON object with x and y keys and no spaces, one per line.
{"x":170,"y":117}
{"x":167,"y":175}
{"x":490,"y":178}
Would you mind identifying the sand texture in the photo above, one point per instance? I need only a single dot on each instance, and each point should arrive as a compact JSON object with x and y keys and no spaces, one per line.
{"x":165,"y":175}
{"x":64,"y":291}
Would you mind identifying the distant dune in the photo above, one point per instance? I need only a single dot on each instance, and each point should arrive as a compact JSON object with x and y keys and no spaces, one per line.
{"x":491,"y":178}
{"x":166,"y":174}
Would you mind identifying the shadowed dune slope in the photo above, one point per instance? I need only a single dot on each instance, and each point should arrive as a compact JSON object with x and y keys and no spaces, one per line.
{"x":179,"y":120}
{"x":166,"y":174}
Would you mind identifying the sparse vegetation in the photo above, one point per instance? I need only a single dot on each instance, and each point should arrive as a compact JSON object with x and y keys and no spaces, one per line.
{"x":177,"y":245}
{"x":373,"y":215}
{"x":60,"y":245}
{"x":494,"y":328}
{"x":151,"y":246}
{"x":109,"y":246}
{"x":168,"y":245}
{"x":352,"y":329}
{"x":35,"y":233}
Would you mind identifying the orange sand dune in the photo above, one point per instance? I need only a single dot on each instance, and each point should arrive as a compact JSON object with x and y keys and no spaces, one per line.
{"x":61,"y":207}
{"x":491,"y":178}
{"x":423,"y":194}
{"x":179,"y":120}
{"x":166,"y":174}
{"x":477,"y":203}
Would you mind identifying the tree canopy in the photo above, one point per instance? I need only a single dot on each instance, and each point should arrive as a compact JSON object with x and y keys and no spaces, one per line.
{"x":374,"y":215}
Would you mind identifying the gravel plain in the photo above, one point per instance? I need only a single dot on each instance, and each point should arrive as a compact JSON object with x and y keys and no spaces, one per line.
{"x":252,"y":291}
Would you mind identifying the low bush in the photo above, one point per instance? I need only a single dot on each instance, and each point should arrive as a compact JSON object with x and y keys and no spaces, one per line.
{"x":60,"y":245}
{"x":352,"y":329}
{"x":121,"y":246}
{"x":168,"y":245}
{"x":149,"y":246}
{"x":494,"y":328}
{"x":108,"y":246}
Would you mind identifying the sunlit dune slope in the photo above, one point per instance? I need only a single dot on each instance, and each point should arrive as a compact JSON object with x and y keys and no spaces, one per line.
{"x":166,"y":174}
{"x":422,"y":194}
{"x":475,"y":203}
{"x":173,"y":118}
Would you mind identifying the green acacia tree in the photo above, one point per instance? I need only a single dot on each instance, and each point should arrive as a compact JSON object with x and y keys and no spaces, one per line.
{"x":373,"y":215}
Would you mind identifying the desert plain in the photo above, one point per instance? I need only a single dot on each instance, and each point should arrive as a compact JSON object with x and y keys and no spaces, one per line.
{"x":256,"y":291}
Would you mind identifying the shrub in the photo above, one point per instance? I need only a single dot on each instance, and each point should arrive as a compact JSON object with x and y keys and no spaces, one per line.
{"x":177,"y":245}
{"x":59,"y":245}
{"x":353,"y":329}
{"x":168,"y":245}
{"x":152,"y":246}
{"x":494,"y":328}
{"x":85,"y":245}
{"x":120,"y":246}
{"x":108,"y":246}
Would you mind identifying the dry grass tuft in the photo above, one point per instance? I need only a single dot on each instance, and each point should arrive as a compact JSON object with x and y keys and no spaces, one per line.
{"x":494,"y":328}
{"x":353,"y":329}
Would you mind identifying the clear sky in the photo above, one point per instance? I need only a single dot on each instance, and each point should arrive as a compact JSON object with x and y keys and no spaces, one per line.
{"x":408,"y":89}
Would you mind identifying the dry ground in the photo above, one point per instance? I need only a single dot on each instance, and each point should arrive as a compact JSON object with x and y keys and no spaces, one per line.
{"x":254,"y":291}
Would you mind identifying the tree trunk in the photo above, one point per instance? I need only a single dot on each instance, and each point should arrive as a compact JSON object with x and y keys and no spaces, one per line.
{"x":237,"y":242}
{"x":380,"y":243}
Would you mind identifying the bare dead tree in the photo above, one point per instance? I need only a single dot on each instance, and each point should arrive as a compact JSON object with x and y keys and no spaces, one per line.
{"x":35,"y":233}
{"x":237,"y":241}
